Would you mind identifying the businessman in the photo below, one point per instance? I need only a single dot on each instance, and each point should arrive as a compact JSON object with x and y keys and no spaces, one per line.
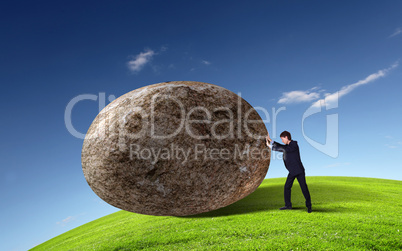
{"x":291,"y":158}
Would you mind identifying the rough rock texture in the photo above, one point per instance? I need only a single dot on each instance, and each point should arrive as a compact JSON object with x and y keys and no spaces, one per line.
{"x":175,"y":148}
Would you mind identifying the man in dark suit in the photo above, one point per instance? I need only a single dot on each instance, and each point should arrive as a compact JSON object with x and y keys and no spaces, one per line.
{"x":291,"y":158}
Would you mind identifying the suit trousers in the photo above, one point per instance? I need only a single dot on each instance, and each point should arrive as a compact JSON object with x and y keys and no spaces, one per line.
{"x":301,"y":178}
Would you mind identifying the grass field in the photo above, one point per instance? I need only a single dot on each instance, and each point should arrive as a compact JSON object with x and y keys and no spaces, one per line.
{"x":348,"y":213}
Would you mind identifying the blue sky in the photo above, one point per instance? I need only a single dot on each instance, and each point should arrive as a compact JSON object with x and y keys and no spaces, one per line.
{"x":280,"y":55}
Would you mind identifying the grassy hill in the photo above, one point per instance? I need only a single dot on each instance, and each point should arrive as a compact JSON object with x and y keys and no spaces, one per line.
{"x":348,"y":213}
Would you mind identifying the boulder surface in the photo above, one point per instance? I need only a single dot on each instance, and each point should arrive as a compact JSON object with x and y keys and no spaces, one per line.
{"x":175,"y":148}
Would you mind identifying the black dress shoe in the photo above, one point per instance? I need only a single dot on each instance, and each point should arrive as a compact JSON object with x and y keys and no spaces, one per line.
{"x":285,"y":207}
{"x":309,"y":210}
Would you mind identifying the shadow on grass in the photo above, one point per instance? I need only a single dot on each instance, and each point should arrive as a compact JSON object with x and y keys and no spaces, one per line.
{"x":265,"y":198}
{"x":270,"y":197}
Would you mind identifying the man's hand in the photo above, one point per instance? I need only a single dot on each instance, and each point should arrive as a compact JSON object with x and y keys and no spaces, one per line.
{"x":268,"y":140}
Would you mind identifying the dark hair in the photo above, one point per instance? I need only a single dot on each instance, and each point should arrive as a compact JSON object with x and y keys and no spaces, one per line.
{"x":286,"y":134}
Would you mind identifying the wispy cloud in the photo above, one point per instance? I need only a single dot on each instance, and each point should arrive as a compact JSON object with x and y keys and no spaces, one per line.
{"x":164,"y":48}
{"x":391,"y":146}
{"x":299,"y":96}
{"x":333,"y":97}
{"x":206,"y":62}
{"x":392,"y":142}
{"x":396,"y":32}
{"x":314,"y":93}
{"x":65,"y":221}
{"x":339,"y":164}
{"x":137,"y":63}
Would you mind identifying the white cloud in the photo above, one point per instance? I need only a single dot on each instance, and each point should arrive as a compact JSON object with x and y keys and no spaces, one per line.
{"x":396,"y":32}
{"x":65,"y":221}
{"x":164,"y":48}
{"x":329,"y":99}
{"x":299,"y":96}
{"x":139,"y":61}
{"x":392,"y":142}
{"x":206,"y":62}
{"x":339,"y":164}
{"x":70,"y":219}
{"x":391,"y":146}
{"x":333,"y":97}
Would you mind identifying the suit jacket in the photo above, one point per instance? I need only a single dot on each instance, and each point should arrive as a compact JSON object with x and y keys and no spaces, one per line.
{"x":291,"y":156}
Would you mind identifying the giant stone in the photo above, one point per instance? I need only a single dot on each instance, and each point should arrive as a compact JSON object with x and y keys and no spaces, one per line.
{"x":175,"y":148}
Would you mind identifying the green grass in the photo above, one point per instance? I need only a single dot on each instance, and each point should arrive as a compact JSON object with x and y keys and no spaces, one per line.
{"x":348,"y":213}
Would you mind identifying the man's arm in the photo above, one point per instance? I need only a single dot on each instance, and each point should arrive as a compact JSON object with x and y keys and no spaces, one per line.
{"x":278,"y":147}
{"x":274,"y":145}
{"x":291,"y":147}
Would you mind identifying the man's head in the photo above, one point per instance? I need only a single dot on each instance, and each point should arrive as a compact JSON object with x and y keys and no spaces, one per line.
{"x":286,"y":137}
